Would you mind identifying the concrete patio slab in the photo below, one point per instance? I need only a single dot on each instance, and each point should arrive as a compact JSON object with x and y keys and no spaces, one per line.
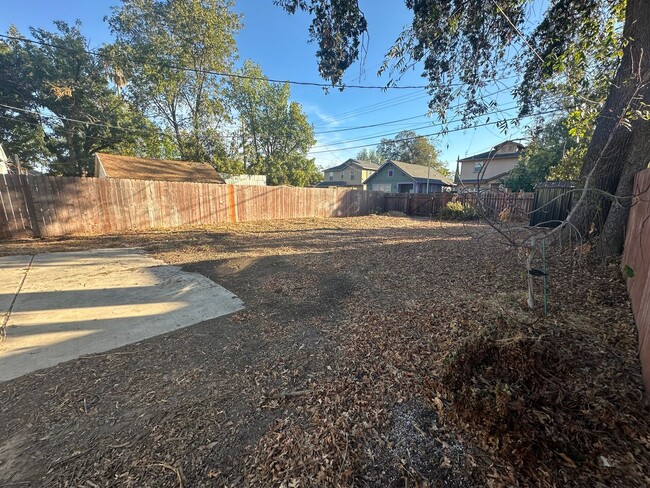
{"x":12,"y":269}
{"x":78,"y":303}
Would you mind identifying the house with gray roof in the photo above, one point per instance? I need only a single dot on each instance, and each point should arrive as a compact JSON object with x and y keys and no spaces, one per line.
{"x":400,"y":177}
{"x":485,"y":170}
{"x":350,"y":173}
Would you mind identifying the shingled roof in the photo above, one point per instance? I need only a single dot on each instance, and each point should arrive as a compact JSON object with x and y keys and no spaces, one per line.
{"x":494,"y":154}
{"x":362,"y":164}
{"x":116,"y":166}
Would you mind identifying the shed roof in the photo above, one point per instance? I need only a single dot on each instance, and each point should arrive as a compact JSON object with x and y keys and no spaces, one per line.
{"x":117,"y":166}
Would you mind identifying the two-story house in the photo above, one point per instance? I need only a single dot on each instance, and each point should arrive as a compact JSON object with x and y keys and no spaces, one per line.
{"x":350,"y":173}
{"x":485,"y":170}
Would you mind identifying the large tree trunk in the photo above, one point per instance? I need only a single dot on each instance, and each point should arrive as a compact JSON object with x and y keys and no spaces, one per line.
{"x":616,"y":152}
{"x":612,"y":237}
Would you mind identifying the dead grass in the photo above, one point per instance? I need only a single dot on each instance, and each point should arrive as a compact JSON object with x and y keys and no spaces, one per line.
{"x":374,"y":351}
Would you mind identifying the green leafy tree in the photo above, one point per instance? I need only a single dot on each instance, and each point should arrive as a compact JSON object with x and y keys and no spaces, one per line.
{"x":470,"y":41}
{"x":166,"y":52}
{"x":552,"y":154}
{"x":408,"y":147}
{"x":275,"y":134}
{"x":369,"y":154}
{"x":57,"y":106}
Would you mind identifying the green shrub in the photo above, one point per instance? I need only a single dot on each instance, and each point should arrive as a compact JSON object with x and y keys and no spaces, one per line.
{"x":457,"y":211}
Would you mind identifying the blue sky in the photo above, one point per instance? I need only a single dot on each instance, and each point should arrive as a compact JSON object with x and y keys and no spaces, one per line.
{"x":278,"y":42}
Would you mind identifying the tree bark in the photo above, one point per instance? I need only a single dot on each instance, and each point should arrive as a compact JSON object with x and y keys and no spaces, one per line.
{"x":616,"y":152}
{"x":612,"y":237}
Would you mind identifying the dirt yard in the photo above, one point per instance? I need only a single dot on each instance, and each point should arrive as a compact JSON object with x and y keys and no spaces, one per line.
{"x":373,"y":351}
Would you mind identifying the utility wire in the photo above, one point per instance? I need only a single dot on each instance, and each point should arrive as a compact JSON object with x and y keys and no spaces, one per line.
{"x":224,"y":74}
{"x":456,"y":129}
{"x":235,"y":75}
{"x":483,"y":97}
{"x":374,"y":136}
{"x":523,"y":38}
{"x":396,"y":102}
{"x":61,"y":117}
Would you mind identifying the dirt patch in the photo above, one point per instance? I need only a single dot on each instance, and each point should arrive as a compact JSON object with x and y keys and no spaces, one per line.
{"x":338,"y":372}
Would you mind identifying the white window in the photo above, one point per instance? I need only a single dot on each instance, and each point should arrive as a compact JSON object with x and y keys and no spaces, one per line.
{"x":390,"y":172}
{"x":331,"y":175}
{"x":385,"y":187}
{"x":478,"y":166}
{"x":343,"y":176}
{"x":352,"y":175}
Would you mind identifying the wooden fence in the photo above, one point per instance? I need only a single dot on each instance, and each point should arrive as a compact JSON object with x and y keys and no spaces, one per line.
{"x":35,"y":206}
{"x":636,"y":260}
{"x":493,"y":204}
{"x":552,"y":203}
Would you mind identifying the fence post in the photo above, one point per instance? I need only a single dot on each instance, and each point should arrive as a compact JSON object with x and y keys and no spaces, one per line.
{"x":29,"y":202}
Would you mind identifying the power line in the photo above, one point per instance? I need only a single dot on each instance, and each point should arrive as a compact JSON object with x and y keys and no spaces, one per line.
{"x":518,"y":32}
{"x":371,"y":125}
{"x":502,"y":110}
{"x":410,"y":97}
{"x":357,"y":112}
{"x":457,"y":129}
{"x":396,"y":102}
{"x":224,"y":74}
{"x":483,"y":97}
{"x":61,"y":117}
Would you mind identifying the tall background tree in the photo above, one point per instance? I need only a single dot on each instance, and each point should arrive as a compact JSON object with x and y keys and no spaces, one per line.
{"x":408,"y":147}
{"x":168,"y":52}
{"x":56,"y":105}
{"x":369,"y":154}
{"x":576,"y":44}
{"x":275,"y":134}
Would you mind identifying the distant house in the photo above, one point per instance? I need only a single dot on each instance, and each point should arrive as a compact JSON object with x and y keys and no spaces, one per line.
{"x":485,"y":170}
{"x":399,"y":177}
{"x":350,"y":173}
{"x":115,"y":166}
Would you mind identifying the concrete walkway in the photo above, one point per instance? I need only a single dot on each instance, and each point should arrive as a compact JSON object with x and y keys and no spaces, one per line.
{"x":78,"y":303}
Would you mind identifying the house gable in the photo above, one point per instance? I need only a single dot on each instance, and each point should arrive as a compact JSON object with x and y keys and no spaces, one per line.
{"x":384,"y":180}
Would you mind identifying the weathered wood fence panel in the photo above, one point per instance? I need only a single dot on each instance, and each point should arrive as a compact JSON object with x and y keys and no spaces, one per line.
{"x":637,"y":257}
{"x":552,"y":203}
{"x":493,"y":204}
{"x":55,"y":206}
